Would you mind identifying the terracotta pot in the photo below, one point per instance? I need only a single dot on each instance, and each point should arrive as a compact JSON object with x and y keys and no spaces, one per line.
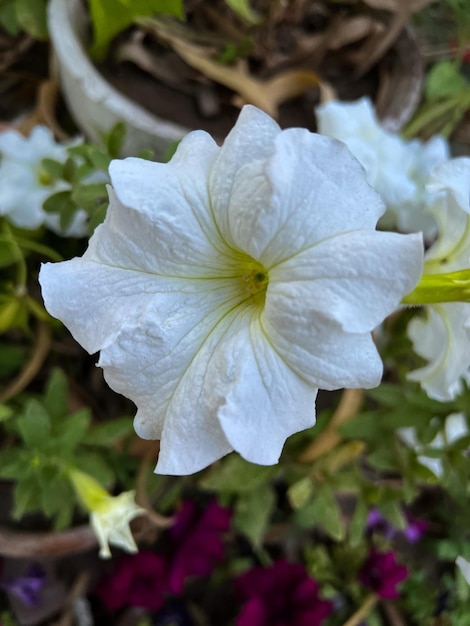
{"x":96,"y":105}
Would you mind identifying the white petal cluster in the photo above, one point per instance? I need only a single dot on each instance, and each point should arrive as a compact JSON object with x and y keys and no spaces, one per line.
{"x":25,"y":185}
{"x":226,"y":286}
{"x":396,"y":168}
{"x":442,"y":335}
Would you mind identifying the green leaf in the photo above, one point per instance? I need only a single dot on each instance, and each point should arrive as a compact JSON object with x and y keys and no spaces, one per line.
{"x":9,"y":18}
{"x":55,"y":399}
{"x":111,"y":17}
{"x":54,"y":168}
{"x":58,"y":202}
{"x":115,"y":139}
{"x":34,"y":425}
{"x":94,"y":464}
{"x":90,"y":196}
{"x":10,"y":314}
{"x":110,"y":432}
{"x":324,"y":511}
{"x":393,"y":513}
{"x":5,"y":412}
{"x":26,"y":497}
{"x":9,"y":253}
{"x":253,"y":511}
{"x":300,"y":493}
{"x":73,"y":430}
{"x":31,"y":15}
{"x":445,"y":81}
{"x":98,"y":158}
{"x":242,"y":9}
{"x":358,"y":522}
{"x":70,"y":172}
{"x":56,"y":496}
{"x":235,"y":475}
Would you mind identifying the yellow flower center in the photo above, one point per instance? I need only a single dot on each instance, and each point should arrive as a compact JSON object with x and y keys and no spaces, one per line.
{"x":255,"y":281}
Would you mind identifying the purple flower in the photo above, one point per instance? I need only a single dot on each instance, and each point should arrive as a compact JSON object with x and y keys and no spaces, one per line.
{"x":382,"y":573}
{"x":413,"y":532}
{"x":198,"y":541}
{"x":283,"y":595}
{"x":26,"y":587}
{"x":139,"y":580}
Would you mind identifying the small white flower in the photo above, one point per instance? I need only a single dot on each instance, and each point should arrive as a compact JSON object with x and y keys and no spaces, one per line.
{"x":397,"y":169}
{"x":442,"y":335}
{"x":225,"y":287}
{"x":455,"y":427}
{"x":110,"y":516}
{"x":25,"y":185}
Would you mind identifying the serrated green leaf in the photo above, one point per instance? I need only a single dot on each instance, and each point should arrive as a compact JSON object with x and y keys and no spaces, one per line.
{"x":108,"y":433}
{"x":235,"y":475}
{"x":34,"y":425}
{"x":253,"y":511}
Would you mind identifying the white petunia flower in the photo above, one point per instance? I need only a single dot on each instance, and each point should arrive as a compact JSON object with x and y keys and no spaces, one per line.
{"x":225,"y":287}
{"x":110,"y":516}
{"x":442,"y":335}
{"x":455,"y":427}
{"x":25,"y":185}
{"x":396,"y":168}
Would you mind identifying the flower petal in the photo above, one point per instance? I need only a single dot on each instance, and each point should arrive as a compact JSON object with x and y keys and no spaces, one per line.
{"x":313,"y":188}
{"x":169,"y":228}
{"x":265,"y":401}
{"x":336,"y":277}
{"x":443,"y":339}
{"x":453,"y":177}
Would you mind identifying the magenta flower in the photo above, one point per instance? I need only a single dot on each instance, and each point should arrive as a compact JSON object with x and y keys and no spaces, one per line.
{"x":198,"y":541}
{"x":382,"y":573}
{"x":139,"y":580}
{"x":283,"y":595}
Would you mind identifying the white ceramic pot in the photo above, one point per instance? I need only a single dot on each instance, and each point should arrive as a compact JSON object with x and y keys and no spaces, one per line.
{"x":94,"y":104}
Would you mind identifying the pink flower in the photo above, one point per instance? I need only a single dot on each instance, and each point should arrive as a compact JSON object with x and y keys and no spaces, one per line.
{"x":382,"y":573}
{"x":198,"y":541}
{"x":283,"y":595}
{"x":137,"y":580}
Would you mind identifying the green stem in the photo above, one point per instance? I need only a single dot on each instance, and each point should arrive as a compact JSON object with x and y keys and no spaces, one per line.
{"x":362,"y":612}
{"x":438,"y":288}
{"x":27,"y":244}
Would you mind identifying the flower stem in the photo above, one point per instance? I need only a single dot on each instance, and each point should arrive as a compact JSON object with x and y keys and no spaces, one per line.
{"x":41,"y":350}
{"x":348,"y":406}
{"x":362,"y":612}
